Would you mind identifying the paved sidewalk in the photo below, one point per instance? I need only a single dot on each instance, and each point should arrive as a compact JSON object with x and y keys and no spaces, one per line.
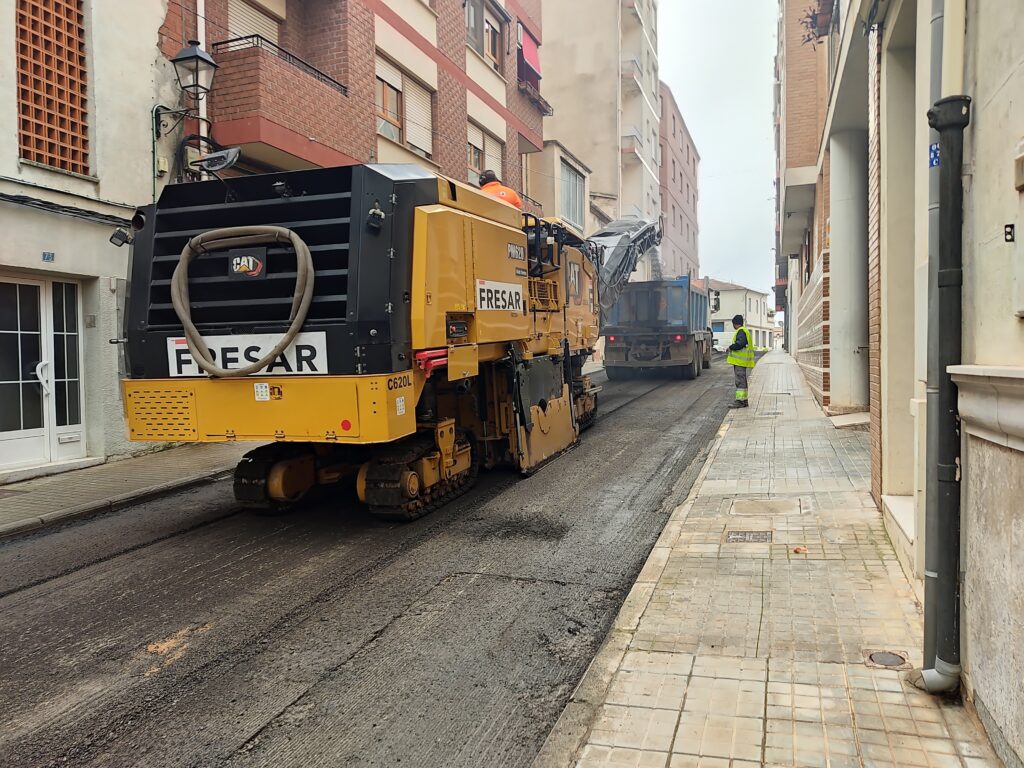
{"x":34,"y":503}
{"x":733,"y":650}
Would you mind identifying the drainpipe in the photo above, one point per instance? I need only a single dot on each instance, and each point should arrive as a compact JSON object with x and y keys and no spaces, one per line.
{"x":949,"y":116}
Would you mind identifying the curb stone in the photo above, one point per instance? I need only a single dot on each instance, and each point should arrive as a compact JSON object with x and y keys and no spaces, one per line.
{"x":111,"y":504}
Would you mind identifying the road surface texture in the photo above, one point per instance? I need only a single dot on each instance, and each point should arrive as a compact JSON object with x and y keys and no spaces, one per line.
{"x":186,"y":632}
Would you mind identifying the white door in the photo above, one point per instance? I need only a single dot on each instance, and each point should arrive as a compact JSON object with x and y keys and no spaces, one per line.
{"x":40,"y":372}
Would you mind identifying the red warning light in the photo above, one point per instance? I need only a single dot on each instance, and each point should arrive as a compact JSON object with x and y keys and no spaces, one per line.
{"x":611,"y":338}
{"x":678,"y":337}
{"x":346,"y":425}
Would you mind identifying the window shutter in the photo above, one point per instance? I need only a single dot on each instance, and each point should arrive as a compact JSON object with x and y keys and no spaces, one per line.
{"x":493,"y":152}
{"x":475,"y":136}
{"x":389,"y":73}
{"x":419,"y":117}
{"x":245,"y":19}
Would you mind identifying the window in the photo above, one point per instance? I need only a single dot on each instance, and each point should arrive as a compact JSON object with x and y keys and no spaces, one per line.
{"x":474,"y":153}
{"x":718,"y":326}
{"x":528,"y":58}
{"x":483,"y":152}
{"x":475,"y":25}
{"x":673,"y":125}
{"x":52,"y":96}
{"x":572,"y":195}
{"x":493,"y":36}
{"x":673,"y":169}
{"x":404,"y":109}
{"x":245,"y":19}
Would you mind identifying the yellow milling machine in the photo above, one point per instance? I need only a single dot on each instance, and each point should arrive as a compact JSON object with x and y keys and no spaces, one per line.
{"x":374,"y":322}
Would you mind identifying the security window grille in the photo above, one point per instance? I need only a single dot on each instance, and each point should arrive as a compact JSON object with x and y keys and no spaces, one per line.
{"x":572,"y":195}
{"x":52,"y":97}
{"x":245,"y":19}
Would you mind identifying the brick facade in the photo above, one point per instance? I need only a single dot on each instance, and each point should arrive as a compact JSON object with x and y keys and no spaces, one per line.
{"x":262,"y":96}
{"x":875,"y":262}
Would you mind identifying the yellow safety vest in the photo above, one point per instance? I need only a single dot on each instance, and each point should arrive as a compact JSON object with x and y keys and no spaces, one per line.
{"x":742,"y":357}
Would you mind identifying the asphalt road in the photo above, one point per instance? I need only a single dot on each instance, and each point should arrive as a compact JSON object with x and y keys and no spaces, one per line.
{"x":185,"y":632}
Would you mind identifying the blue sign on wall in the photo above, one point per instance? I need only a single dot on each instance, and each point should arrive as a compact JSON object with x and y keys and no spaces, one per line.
{"x":933,"y":155}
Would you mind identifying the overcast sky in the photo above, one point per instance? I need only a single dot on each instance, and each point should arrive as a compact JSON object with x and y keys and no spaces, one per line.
{"x":718,"y":59}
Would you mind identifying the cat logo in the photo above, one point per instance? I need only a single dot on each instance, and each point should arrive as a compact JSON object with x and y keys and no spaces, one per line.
{"x":246,"y":265}
{"x":576,"y":282}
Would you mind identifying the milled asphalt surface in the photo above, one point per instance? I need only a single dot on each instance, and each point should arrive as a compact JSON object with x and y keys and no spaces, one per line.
{"x":184,"y":632}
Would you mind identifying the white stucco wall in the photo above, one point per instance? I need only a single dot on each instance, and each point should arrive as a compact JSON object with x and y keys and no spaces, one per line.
{"x":127,"y":76}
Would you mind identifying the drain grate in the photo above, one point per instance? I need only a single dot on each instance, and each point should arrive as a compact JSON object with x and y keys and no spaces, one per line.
{"x":748,"y":537}
{"x":887,"y":659}
{"x":770,"y":413}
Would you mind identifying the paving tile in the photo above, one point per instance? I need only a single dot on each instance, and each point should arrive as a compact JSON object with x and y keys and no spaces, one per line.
{"x":758,"y":650}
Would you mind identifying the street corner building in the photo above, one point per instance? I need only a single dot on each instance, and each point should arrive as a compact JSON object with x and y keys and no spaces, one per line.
{"x":900,"y":268}
{"x":104,"y":125}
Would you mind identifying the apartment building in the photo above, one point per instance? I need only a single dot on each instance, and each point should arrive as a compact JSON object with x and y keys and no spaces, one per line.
{"x":75,"y":111}
{"x":735,"y":300}
{"x":602,"y":80}
{"x":871,"y":227}
{"x":451,"y":85}
{"x":560,"y":184}
{"x":680,"y":164}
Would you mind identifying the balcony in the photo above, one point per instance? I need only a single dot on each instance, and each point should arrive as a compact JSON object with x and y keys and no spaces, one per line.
{"x":632,"y":75}
{"x":281,"y":111}
{"x":632,"y":145}
{"x":631,"y":9}
{"x":529,"y":90}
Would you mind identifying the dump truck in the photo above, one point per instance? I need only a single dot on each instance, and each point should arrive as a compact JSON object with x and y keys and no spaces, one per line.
{"x":658,"y":326}
{"x":376,"y":323}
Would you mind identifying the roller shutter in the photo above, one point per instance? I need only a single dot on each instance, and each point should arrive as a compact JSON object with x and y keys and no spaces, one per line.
{"x":493,"y":154}
{"x":245,"y":20}
{"x":389,"y":73}
{"x":419,"y":117}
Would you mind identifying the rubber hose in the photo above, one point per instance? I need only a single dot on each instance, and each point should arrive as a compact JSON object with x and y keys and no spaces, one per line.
{"x":241,"y":237}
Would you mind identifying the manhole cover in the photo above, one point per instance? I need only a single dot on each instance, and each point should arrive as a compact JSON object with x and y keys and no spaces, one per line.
{"x":748,"y":537}
{"x":887,"y":659}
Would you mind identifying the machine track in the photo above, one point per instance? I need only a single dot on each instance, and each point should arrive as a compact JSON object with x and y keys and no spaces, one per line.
{"x":384,"y":495}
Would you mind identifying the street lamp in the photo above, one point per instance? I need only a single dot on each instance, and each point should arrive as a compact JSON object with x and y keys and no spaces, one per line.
{"x":194,"y":68}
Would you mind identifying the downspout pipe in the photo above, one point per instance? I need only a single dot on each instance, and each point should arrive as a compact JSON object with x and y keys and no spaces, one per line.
{"x":949,"y":116}
{"x":932,"y":375}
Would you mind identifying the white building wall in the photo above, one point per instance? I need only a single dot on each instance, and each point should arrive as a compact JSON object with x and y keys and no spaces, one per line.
{"x":127,"y":76}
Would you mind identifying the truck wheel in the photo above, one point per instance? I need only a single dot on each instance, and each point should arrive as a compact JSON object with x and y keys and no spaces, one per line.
{"x":698,"y":365}
{"x":692,"y":370}
{"x":706,"y":362}
{"x":617,"y":374}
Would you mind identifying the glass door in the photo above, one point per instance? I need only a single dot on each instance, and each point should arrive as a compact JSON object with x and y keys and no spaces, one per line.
{"x":67,"y":440}
{"x":23,"y":378}
{"x":40,"y":373}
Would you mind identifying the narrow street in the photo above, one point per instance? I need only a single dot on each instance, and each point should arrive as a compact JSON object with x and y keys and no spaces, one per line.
{"x":184,"y":632}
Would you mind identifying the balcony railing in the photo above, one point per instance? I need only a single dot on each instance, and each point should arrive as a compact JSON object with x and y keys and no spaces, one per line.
{"x":258,"y":41}
{"x":533,"y":95}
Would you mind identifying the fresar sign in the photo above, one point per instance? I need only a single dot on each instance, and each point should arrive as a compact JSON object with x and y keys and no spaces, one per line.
{"x":307,"y":355}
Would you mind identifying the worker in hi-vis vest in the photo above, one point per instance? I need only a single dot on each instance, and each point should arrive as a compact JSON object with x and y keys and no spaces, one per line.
{"x":490,"y":184}
{"x":741,"y":358}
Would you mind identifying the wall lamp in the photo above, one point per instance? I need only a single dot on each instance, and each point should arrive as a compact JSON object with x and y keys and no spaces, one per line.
{"x":194,"y":69}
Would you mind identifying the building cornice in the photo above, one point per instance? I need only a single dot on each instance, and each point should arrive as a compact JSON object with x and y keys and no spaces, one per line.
{"x":991,"y":402}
